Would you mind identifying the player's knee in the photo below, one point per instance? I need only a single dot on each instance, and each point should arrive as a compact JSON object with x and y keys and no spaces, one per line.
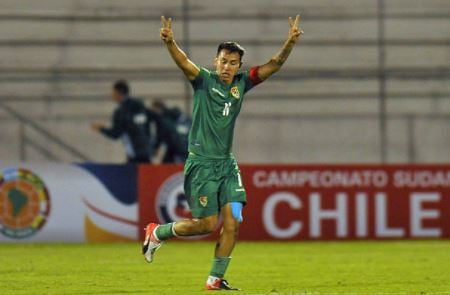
{"x":231,"y":228}
{"x":208,"y":224}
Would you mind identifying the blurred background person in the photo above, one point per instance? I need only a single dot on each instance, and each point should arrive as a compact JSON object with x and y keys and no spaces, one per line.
{"x":175,"y":126}
{"x":131,"y":122}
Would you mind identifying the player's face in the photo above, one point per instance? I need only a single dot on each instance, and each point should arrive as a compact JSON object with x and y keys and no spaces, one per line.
{"x":227,"y":65}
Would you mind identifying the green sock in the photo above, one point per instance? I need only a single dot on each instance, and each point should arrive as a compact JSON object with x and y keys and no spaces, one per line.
{"x":219,"y":266}
{"x":164,"y":231}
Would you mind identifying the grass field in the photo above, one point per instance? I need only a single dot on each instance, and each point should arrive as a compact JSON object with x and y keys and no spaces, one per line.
{"x":420,"y":267}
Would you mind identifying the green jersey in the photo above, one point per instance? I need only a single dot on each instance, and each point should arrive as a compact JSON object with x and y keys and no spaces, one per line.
{"x":216,"y":107}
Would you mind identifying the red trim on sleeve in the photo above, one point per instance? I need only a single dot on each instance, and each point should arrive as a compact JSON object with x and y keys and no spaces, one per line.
{"x":253,"y":75}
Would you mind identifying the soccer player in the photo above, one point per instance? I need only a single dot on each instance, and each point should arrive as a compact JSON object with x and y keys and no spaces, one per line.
{"x":213,"y":183}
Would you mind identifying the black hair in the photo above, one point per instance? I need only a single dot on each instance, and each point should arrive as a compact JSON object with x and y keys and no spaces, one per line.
{"x":159,"y":104}
{"x":122,"y":87}
{"x":231,"y":47}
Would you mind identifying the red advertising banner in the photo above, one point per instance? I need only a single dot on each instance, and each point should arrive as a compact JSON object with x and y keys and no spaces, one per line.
{"x":161,"y":195}
{"x":320,"y":202}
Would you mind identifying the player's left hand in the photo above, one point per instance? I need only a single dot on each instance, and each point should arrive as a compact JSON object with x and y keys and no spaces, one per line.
{"x":166,"y":32}
{"x":294,"y":30}
{"x":97,"y":126}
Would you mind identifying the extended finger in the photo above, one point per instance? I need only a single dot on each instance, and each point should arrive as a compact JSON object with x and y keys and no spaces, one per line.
{"x":163,"y":21}
{"x":169,"y":23}
{"x":291,"y":22}
{"x":297,"y":20}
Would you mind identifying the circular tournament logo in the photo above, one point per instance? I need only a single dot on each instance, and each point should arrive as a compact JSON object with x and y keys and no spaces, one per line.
{"x":171,"y":202}
{"x":24,"y":203}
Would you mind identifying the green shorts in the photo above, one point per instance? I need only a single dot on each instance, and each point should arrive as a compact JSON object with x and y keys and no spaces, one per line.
{"x":209,"y":184}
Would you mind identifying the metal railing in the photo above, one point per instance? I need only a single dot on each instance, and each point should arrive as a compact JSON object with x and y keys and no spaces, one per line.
{"x":25,"y":140}
{"x":185,"y":15}
{"x":412,"y":138}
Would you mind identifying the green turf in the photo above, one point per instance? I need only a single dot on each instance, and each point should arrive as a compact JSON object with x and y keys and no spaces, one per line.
{"x":421,"y":267}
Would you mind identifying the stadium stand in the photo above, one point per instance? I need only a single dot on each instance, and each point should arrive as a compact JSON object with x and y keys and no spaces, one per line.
{"x":58,"y":59}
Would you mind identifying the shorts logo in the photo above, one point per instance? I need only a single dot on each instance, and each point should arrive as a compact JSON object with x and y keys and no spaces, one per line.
{"x":203,"y":201}
{"x":24,"y":203}
{"x":235,"y":92}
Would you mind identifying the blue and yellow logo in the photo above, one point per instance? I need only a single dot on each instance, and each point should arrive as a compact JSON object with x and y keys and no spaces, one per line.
{"x":24,"y":203}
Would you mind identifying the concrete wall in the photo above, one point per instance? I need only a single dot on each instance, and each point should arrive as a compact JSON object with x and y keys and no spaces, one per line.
{"x":59,"y":58}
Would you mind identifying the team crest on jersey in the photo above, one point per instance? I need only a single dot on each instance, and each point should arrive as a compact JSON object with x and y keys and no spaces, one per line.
{"x":235,"y":92}
{"x":203,"y":201}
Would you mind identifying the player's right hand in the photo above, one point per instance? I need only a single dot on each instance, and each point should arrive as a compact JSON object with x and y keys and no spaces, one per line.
{"x":166,"y":32}
{"x":295,"y":32}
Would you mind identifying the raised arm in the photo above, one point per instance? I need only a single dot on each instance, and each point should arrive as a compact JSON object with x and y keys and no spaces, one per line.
{"x":277,"y":61}
{"x":189,"y":69}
